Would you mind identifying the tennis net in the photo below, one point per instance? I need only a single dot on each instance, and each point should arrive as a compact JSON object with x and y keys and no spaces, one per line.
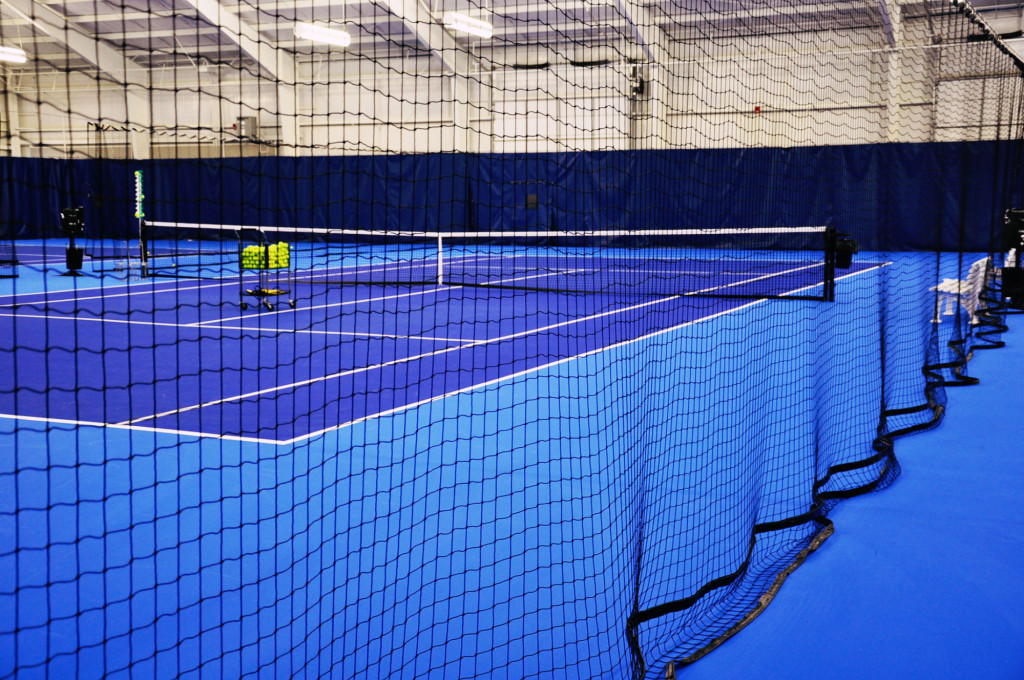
{"x":189,"y":251}
{"x":777,"y":262}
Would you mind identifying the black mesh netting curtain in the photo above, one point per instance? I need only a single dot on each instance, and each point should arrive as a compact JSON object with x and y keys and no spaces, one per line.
{"x":250,"y":426}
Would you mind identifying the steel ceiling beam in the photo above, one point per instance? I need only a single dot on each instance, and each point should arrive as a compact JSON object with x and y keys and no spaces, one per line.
{"x":278,"y":63}
{"x":889,"y":12}
{"x":111,"y":63}
{"x":645,"y":30}
{"x":432,"y":35}
{"x":108,"y":60}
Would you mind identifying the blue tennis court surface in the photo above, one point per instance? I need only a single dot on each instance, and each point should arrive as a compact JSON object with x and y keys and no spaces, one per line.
{"x":181,"y":356}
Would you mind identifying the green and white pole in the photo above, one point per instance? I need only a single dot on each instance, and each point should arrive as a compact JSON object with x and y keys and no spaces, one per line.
{"x":140,"y":215}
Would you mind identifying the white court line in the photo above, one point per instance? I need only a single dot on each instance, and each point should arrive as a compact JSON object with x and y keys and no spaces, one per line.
{"x":558,"y":362}
{"x":761,"y":278}
{"x":104,"y":296}
{"x":309,"y":331}
{"x":221,"y":320}
{"x":388,"y":264}
{"x":64,"y":317}
{"x":404,"y":407}
{"x":535,"y":369}
{"x":210,"y":285}
{"x":151,"y":282}
{"x":403,"y":360}
{"x":330,"y":305}
{"x":163,"y":430}
{"x":395,"y":362}
{"x":172,"y":285}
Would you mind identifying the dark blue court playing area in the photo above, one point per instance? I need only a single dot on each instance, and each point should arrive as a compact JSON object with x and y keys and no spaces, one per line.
{"x":180,"y":355}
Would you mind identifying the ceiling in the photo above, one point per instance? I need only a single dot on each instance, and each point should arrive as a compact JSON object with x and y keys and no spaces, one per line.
{"x":155,"y":34}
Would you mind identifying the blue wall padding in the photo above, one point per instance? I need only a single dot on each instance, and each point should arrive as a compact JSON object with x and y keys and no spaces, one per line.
{"x":889,"y":196}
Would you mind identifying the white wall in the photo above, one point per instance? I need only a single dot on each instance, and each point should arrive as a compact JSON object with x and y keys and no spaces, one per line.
{"x":838,"y":87}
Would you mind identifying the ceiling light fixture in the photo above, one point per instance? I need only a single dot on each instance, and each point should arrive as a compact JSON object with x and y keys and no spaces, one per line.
{"x":13,"y":55}
{"x":466,"y":24}
{"x":322,"y":34}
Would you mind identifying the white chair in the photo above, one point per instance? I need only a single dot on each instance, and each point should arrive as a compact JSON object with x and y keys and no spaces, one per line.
{"x":965,"y":291}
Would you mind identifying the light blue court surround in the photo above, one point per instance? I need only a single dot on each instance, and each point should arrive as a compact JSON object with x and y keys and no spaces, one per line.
{"x":480,"y":526}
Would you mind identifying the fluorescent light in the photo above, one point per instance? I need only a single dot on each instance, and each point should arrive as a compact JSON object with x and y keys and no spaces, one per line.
{"x":13,"y":55}
{"x":465,"y":24}
{"x":322,"y":34}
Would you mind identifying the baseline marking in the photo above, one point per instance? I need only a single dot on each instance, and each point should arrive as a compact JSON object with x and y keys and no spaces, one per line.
{"x":118,"y":426}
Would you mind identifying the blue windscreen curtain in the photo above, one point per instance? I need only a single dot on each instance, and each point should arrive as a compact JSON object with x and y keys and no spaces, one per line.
{"x":888,"y":196}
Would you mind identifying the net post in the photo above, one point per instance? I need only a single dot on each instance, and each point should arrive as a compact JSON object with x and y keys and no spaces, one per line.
{"x":830,"y":264}
{"x":440,"y":260}
{"x":240,"y":238}
{"x":143,"y":250}
{"x":140,"y":215}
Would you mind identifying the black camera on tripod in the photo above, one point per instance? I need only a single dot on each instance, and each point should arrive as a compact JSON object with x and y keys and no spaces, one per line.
{"x":72,"y":225}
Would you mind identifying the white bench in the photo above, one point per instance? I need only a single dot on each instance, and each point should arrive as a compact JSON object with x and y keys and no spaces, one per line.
{"x":965,"y":291}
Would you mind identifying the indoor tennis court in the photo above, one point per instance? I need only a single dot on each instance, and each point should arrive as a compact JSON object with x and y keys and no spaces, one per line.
{"x":441,"y":333}
{"x":456,"y":339}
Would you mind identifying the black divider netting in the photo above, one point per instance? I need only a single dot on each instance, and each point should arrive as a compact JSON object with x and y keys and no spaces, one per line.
{"x":538,"y":351}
